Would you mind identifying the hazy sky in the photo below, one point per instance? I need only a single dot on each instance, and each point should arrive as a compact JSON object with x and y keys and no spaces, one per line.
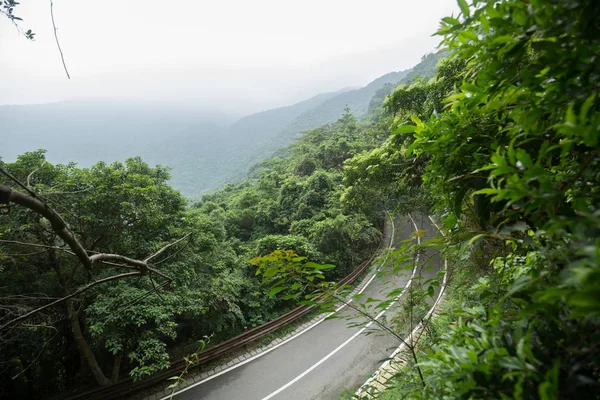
{"x":236,"y":54}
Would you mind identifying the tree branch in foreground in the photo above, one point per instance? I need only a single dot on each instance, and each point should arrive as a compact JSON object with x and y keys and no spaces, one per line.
{"x":62,"y":299}
{"x":59,"y":226}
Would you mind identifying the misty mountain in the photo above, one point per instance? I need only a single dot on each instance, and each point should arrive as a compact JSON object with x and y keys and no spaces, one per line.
{"x":205,"y":149}
{"x":360,"y":101}
{"x":258,"y":136}
{"x":424,"y":70}
{"x":86,"y":132}
{"x":357,"y":100}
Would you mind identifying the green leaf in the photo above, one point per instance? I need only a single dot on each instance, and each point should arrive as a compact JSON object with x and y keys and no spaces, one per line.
{"x":585,"y":108}
{"x":275,"y":290}
{"x":470,"y":88}
{"x":464,"y":7}
{"x":271,"y":272}
{"x":327,"y":266}
{"x":488,"y":191}
{"x":451,"y":20}
{"x":404,"y":130}
{"x":417,"y":121}
{"x":492,"y":12}
{"x":485,"y":25}
{"x":476,"y":238}
{"x":503,"y":39}
{"x":469,"y":35}
{"x":525,"y":158}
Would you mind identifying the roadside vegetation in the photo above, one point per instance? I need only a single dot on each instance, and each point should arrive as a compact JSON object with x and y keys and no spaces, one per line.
{"x":508,"y":135}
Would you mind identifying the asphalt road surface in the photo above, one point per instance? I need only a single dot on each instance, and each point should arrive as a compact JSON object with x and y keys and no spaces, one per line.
{"x":327,"y":360}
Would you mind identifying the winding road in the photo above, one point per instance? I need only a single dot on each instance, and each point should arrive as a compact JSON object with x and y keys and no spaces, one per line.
{"x":327,"y":359}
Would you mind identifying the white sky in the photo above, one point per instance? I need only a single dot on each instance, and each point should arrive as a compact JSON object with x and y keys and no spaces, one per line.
{"x":250,"y":54}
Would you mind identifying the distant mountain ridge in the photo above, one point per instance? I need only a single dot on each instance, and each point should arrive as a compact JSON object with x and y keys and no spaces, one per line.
{"x":357,"y":100}
{"x":205,"y":151}
{"x":259,"y":135}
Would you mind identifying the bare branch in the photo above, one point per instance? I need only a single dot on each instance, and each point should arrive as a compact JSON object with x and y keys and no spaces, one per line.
{"x":59,"y":226}
{"x":24,"y":254}
{"x":102,"y":258}
{"x":174,"y":254}
{"x":142,"y":266}
{"x":33,"y":172}
{"x":155,"y":288}
{"x":29,"y":296}
{"x":37,"y":245}
{"x":62,"y":57}
{"x":157,"y":272}
{"x":159,"y":252}
{"x":39,"y":205}
{"x":18,"y":182}
{"x":63,"y":299}
{"x":70,"y":192}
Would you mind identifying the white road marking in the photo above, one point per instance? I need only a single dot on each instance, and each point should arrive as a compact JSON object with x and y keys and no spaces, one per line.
{"x":285,"y":341}
{"x":341,"y":346}
{"x":409,"y":338}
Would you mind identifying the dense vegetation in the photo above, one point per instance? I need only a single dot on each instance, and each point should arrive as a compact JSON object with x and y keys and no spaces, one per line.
{"x":134,"y":326}
{"x":508,"y":135}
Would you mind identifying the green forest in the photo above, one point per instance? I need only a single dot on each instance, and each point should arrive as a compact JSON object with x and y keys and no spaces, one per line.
{"x":108,"y":272}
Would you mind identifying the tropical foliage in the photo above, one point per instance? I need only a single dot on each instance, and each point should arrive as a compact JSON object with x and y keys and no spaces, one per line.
{"x":136,"y":326}
{"x":511,"y":158}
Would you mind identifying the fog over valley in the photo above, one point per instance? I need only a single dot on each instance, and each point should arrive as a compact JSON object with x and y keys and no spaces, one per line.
{"x":221,"y":87}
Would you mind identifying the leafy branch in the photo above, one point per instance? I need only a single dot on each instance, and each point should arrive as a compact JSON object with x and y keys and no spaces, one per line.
{"x":37,"y":204}
{"x":294,"y":277}
{"x":7,"y":8}
{"x":191,"y":360}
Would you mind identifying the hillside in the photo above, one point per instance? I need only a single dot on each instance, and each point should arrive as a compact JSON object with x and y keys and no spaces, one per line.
{"x":424,"y":70}
{"x":258,"y":136}
{"x":357,"y":100}
{"x":203,"y":149}
{"x":242,"y":144}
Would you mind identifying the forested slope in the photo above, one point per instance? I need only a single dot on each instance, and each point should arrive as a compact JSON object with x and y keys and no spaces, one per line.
{"x":130,"y":326}
{"x":129,"y":209}
{"x":205,"y":149}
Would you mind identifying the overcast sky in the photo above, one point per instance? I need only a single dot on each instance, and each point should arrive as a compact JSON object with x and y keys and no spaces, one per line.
{"x":245,"y":54}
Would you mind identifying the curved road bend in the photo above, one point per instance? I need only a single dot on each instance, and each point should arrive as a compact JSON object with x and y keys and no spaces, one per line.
{"x":322,"y":362}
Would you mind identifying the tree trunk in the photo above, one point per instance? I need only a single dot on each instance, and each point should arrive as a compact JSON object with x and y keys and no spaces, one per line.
{"x":85,"y":351}
{"x":117,"y":367}
{"x":85,"y":348}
